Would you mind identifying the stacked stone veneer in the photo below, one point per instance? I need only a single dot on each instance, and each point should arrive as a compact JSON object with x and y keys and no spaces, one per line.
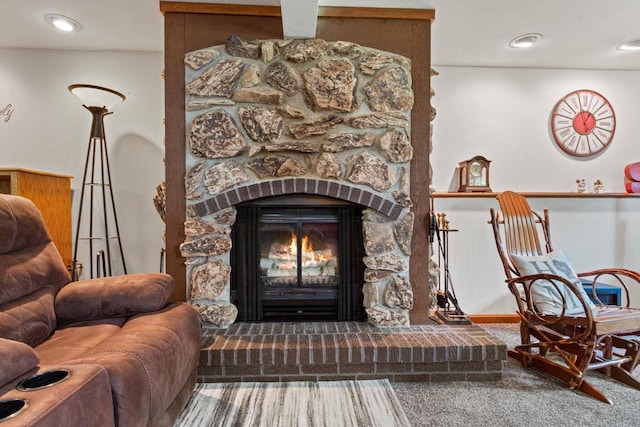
{"x":271,"y":117}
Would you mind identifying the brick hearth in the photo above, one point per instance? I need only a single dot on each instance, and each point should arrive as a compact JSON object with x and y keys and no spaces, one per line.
{"x":318,"y":351}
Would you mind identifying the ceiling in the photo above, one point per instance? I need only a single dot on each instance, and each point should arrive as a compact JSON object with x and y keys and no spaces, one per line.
{"x":577,"y":34}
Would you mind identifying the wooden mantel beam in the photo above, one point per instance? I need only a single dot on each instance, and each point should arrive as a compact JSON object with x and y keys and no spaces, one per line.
{"x":323,"y":11}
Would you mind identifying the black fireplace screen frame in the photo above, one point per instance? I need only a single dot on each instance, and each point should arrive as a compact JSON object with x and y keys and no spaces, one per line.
{"x":254,"y":304}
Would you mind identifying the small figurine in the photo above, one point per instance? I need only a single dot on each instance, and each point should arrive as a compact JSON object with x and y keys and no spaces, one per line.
{"x":582,"y":185}
{"x":598,"y":186}
{"x":443,"y":222}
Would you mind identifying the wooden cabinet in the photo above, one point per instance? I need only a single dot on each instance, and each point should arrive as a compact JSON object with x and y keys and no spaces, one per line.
{"x":51,"y":193}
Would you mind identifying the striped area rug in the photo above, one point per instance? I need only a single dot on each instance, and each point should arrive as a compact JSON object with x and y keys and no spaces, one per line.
{"x":295,"y":404}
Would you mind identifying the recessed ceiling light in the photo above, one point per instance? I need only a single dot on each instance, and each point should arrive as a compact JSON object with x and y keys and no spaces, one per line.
{"x":62,"y":23}
{"x":525,"y":40}
{"x":630,"y":45}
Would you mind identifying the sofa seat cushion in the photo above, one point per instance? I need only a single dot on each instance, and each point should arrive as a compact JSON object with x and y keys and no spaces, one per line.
{"x":75,"y":340}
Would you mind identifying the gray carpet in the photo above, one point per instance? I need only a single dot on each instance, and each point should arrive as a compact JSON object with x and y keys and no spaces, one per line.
{"x":524,"y":397}
{"x":295,"y":404}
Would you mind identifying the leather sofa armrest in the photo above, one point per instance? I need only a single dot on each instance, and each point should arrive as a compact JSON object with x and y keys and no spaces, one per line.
{"x":83,"y":399}
{"x":16,"y":359}
{"x":114,"y":296}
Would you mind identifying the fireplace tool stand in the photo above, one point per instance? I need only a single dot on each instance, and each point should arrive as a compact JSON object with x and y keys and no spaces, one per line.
{"x":448,"y":309}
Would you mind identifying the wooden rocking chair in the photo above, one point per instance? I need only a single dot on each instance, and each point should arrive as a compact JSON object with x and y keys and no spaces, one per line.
{"x":576,"y":336}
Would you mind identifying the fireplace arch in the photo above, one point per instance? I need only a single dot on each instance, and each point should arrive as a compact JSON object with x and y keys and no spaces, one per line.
{"x":320,"y":187}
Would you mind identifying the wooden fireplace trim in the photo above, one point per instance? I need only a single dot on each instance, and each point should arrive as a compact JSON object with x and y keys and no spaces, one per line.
{"x":323,"y":11}
{"x":192,"y":26}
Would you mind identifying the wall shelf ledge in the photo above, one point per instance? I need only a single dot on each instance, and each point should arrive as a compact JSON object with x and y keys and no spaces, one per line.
{"x":538,"y":194}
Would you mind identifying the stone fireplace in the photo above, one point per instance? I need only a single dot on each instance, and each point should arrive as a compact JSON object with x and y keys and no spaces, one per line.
{"x":299,"y":131}
{"x":343,"y":165}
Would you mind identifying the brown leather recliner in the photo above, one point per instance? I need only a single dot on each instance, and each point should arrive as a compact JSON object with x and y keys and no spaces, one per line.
{"x":131,"y":355}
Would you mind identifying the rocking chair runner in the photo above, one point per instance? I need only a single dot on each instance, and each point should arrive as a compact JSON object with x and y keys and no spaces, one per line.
{"x":575,"y":336}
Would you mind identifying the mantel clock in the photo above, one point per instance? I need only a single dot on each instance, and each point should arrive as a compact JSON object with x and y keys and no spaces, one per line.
{"x":474,"y":175}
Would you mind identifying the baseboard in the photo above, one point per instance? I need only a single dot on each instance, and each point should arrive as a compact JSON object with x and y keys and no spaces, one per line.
{"x":494,"y":318}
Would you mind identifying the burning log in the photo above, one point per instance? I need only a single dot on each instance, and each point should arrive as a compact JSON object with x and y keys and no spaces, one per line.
{"x":307,"y":271}
{"x":280,"y":264}
{"x":290,"y":263}
{"x":284,"y":253}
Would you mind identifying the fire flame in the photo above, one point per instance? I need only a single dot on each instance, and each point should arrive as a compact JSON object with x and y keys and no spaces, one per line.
{"x":310,"y":258}
{"x":307,"y":247}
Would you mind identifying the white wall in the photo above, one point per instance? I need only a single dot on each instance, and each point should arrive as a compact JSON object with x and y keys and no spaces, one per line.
{"x":49,"y":131}
{"x":503,"y":114}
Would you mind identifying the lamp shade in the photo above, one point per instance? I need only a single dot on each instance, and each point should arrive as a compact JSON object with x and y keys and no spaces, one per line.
{"x":96,"y":96}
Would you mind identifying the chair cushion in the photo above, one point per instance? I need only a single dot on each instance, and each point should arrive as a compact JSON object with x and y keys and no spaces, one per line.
{"x":548,"y":297}
{"x":617,"y":320}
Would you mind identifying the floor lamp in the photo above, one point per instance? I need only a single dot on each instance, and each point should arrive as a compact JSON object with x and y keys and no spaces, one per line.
{"x":96,"y":187}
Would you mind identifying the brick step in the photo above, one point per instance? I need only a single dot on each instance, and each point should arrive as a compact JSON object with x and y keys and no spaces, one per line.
{"x":316,"y":351}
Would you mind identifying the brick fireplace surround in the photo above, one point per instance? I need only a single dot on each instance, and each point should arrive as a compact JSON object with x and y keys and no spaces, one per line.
{"x":276,"y":351}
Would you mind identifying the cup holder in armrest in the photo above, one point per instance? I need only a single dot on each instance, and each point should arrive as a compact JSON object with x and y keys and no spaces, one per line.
{"x":9,"y":408}
{"x":43,"y":379}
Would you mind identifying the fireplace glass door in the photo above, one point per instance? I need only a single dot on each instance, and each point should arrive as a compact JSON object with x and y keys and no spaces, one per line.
{"x":299,"y":260}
